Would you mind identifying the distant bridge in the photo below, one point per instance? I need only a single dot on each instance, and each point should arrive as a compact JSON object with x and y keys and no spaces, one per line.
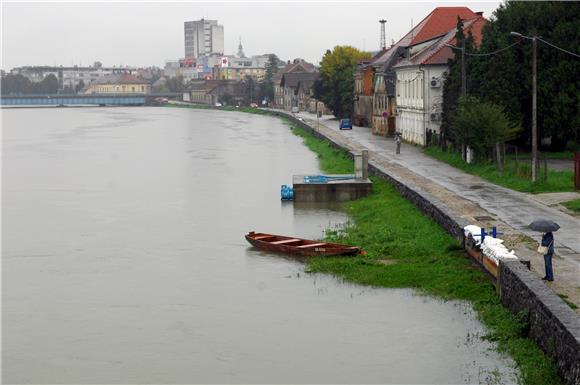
{"x":82,"y":99}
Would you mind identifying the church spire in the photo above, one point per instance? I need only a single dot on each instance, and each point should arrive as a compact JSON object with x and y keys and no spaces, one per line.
{"x":241,"y":49}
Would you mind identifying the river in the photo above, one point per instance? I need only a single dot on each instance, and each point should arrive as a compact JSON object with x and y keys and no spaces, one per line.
{"x":124,"y":261}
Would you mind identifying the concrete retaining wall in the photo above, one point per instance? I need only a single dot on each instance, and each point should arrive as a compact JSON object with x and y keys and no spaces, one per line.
{"x":553,"y":325}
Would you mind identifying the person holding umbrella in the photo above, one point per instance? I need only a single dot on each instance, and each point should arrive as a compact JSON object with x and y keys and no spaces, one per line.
{"x":547,"y":245}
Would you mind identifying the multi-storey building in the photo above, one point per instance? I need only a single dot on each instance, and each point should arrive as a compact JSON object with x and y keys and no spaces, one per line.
{"x":69,"y":76}
{"x":421,"y":73}
{"x":297,"y":90}
{"x":203,"y":37}
{"x":238,"y":68}
{"x":296,"y":66}
{"x":119,"y":84}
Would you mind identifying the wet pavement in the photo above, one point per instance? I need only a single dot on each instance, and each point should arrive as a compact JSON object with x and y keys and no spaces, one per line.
{"x":473,"y":198}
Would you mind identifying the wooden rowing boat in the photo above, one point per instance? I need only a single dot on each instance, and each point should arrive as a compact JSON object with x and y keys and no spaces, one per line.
{"x":298,"y":246}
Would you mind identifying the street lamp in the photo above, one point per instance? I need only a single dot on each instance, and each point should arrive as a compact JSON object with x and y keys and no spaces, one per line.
{"x":534,"y":105}
{"x":463,"y":75}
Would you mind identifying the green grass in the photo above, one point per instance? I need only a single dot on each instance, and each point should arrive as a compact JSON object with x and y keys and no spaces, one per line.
{"x":551,"y":155}
{"x":558,"y":181}
{"x":573,"y":205}
{"x":405,"y":249}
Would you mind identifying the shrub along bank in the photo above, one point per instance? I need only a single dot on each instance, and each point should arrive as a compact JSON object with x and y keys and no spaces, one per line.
{"x":408,"y":250}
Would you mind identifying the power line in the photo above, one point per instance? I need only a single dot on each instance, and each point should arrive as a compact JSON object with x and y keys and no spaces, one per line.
{"x":494,"y":52}
{"x":561,"y":49}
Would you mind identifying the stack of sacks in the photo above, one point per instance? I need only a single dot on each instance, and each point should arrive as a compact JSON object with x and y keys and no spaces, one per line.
{"x":494,"y":249}
{"x":475,"y":232}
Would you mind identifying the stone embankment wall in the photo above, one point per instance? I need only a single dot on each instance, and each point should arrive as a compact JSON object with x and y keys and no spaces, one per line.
{"x":553,"y":325}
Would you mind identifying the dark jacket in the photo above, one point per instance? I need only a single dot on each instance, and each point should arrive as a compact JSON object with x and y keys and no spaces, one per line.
{"x":548,"y":240}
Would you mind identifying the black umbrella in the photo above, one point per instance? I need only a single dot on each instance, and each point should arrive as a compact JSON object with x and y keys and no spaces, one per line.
{"x":544,"y":225}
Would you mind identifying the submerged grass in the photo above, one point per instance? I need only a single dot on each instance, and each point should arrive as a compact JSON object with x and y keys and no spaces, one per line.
{"x":557,"y":181}
{"x":408,"y":250}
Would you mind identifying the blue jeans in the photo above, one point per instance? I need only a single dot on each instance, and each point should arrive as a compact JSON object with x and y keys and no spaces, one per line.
{"x":548,"y":265}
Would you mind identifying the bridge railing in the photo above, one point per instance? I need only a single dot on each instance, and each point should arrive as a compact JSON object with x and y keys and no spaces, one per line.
{"x":105,"y":95}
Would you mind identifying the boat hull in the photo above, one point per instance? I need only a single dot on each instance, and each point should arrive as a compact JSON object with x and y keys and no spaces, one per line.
{"x":297,"y":246}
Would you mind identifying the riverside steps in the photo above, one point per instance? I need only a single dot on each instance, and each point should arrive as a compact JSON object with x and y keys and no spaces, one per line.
{"x":455,"y":199}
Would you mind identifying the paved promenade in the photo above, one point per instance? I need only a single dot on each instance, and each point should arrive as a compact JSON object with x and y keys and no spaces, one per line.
{"x":478,"y":201}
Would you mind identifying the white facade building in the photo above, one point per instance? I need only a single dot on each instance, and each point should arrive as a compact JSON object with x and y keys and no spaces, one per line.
{"x":203,"y":37}
{"x":420,"y":77}
{"x":419,"y":91}
{"x":69,"y":76}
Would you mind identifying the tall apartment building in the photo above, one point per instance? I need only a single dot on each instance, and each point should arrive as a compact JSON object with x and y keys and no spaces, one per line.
{"x":203,"y":37}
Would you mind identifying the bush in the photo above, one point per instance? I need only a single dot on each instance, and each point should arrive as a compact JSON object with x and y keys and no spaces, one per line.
{"x":481,"y":125}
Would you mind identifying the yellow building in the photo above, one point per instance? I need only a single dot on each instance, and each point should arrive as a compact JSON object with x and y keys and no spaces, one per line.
{"x":119,"y":84}
{"x":234,"y":73}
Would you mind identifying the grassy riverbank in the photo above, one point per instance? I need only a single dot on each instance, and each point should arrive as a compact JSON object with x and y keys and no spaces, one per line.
{"x":408,"y":250}
{"x":558,"y":181}
{"x":249,"y":110}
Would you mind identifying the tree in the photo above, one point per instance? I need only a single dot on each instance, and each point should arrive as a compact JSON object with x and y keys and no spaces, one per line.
{"x":480,"y":125}
{"x":48,"y":85}
{"x":15,"y":84}
{"x":250,"y":90}
{"x":175,"y":84}
{"x":80,"y":86}
{"x":505,"y":78}
{"x":266,"y":87}
{"x":18,"y":84}
{"x":335,"y":85}
{"x":453,"y":83}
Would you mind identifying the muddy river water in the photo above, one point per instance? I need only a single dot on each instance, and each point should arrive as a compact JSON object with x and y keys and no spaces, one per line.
{"x":123,"y":261}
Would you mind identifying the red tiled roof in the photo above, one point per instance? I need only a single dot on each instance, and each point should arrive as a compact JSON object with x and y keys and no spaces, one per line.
{"x":438,"y":53}
{"x":298,"y":67}
{"x":437,"y":23}
{"x":442,"y":54}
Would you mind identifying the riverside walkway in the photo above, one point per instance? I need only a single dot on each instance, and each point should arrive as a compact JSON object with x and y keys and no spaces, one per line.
{"x":478,"y":201}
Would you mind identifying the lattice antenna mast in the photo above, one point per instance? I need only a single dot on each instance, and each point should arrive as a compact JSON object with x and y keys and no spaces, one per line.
{"x":383,"y":36}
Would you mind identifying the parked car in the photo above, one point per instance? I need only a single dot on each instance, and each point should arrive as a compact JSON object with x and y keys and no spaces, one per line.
{"x":218,"y":104}
{"x":295,"y":110}
{"x":159,"y":101}
{"x":345,"y":124}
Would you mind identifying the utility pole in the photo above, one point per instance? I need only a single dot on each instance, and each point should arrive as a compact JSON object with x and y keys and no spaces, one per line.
{"x":463,"y":74}
{"x":534,"y":115}
{"x":534,"y":105}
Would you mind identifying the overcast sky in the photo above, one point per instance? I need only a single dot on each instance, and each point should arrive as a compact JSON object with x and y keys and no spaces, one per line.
{"x":149,"y":33}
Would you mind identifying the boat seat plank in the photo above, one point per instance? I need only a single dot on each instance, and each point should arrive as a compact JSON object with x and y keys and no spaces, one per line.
{"x":285,"y":241}
{"x":263,"y":236}
{"x":311,"y":245}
